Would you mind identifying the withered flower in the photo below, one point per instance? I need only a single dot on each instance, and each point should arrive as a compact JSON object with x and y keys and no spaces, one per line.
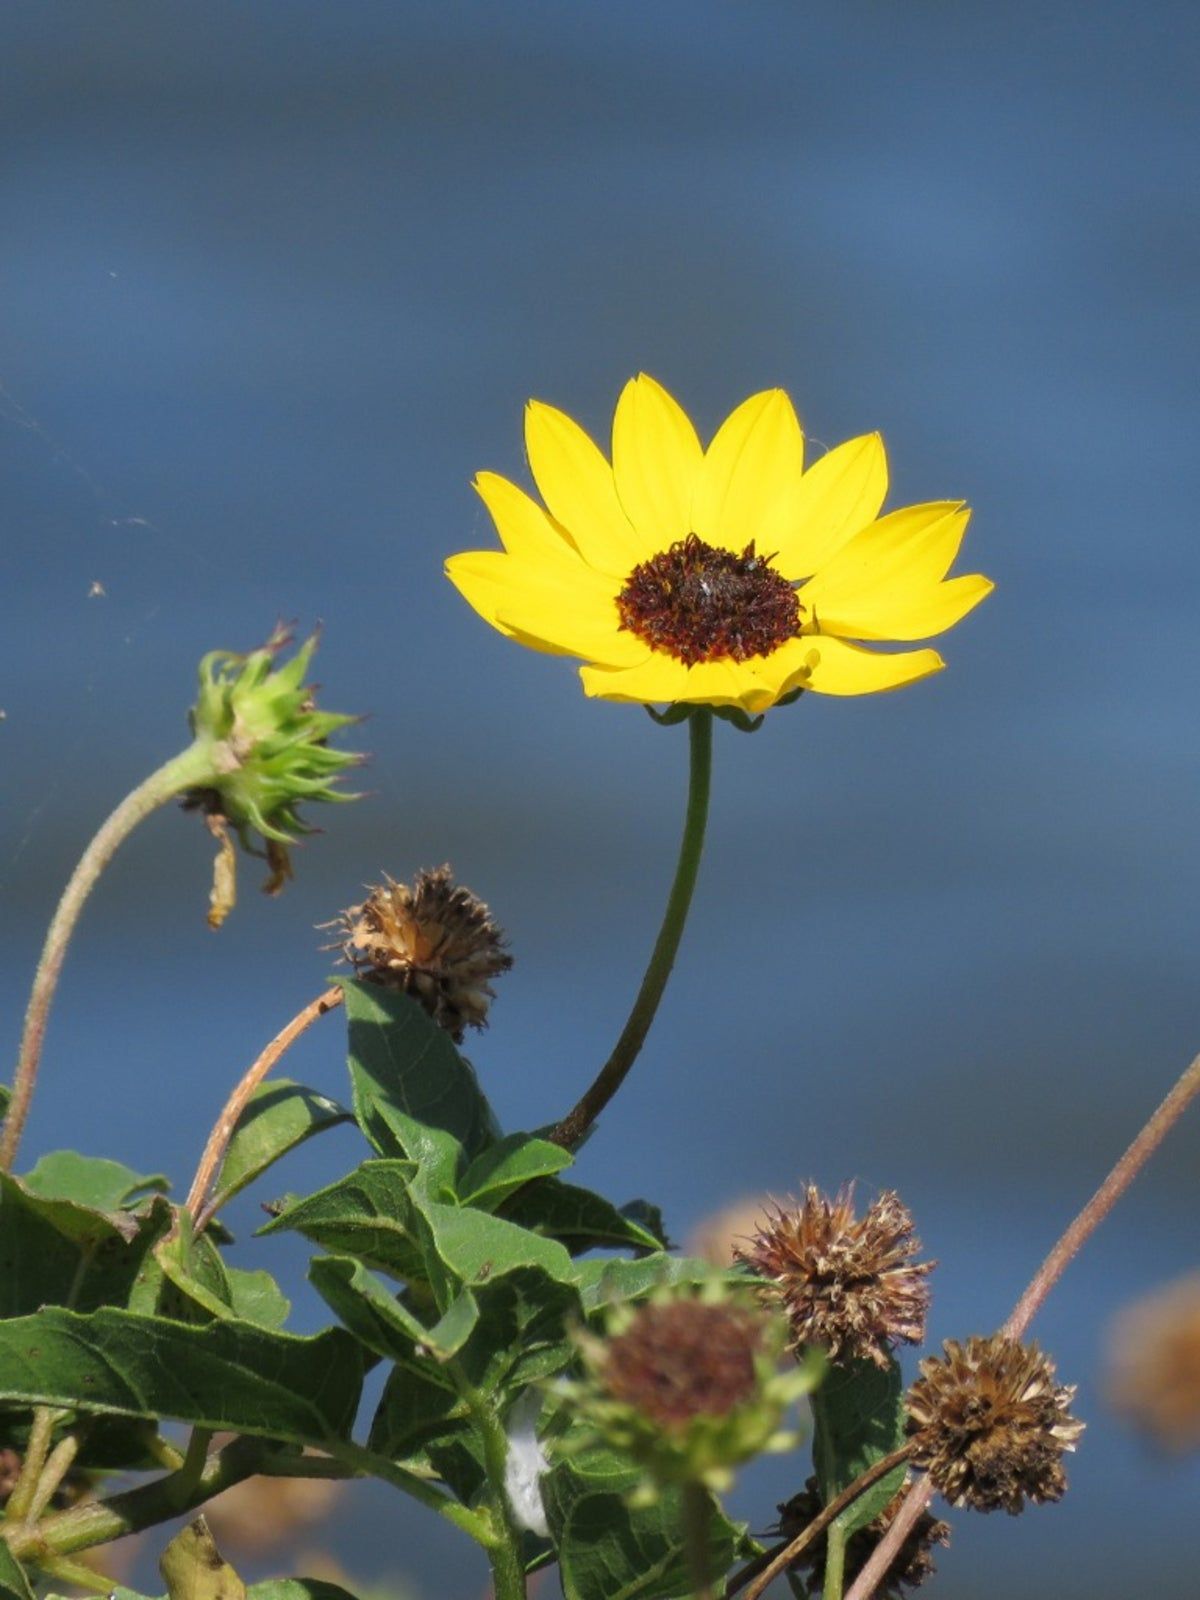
{"x":688,"y":1384}
{"x":914,"y":1560}
{"x":992,"y":1425}
{"x":1155,"y":1377}
{"x":847,"y":1283}
{"x":435,"y":941}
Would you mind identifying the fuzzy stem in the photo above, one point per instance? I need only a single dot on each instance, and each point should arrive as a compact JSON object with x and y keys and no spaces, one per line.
{"x":58,"y":1464}
{"x":695,"y":1539}
{"x":191,"y":768}
{"x":198,"y":1204}
{"x":37,"y":1447}
{"x":576,"y":1123}
{"x":835,"y":1563}
{"x":504,"y":1548}
{"x":76,"y":1574}
{"x":756,"y":1578}
{"x":1104,"y":1199}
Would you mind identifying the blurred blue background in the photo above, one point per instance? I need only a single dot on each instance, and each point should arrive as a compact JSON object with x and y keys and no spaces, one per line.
{"x":277,"y":280}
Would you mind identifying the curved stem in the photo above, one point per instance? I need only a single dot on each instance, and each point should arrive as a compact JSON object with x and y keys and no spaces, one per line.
{"x":576,"y":1123}
{"x":757,"y":1577}
{"x":695,"y":1540}
{"x":197,"y":1202}
{"x":1104,"y":1199}
{"x":185,"y":771}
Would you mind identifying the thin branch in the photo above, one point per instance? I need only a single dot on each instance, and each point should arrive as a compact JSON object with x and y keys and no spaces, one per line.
{"x":756,"y":1578}
{"x":920,"y":1493}
{"x":198,"y":1202}
{"x":1104,"y":1199}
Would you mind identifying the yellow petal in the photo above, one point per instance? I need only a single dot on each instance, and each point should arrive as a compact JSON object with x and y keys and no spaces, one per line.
{"x":913,"y":613}
{"x":562,"y":607}
{"x":838,"y":495}
{"x":660,"y":679}
{"x":755,"y":460}
{"x":525,"y":528}
{"x":656,"y":457}
{"x":845,"y":669}
{"x":576,"y":482}
{"x":903,"y":553}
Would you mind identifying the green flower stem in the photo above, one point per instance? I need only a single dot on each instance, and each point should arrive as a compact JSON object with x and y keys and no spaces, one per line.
{"x":576,"y":1123}
{"x":37,"y":1447}
{"x":192,"y":768}
{"x":58,"y":1464}
{"x":76,"y":1574}
{"x":835,"y":1563}
{"x":505,"y":1546}
{"x":695,"y":1539}
{"x":367,"y":1464}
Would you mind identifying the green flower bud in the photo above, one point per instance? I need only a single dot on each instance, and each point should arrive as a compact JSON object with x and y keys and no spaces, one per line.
{"x":268,"y":753}
{"x":689,"y":1385}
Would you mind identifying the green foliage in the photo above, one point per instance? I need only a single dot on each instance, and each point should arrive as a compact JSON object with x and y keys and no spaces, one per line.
{"x":858,"y":1418}
{"x":280,"y":1116}
{"x":228,"y":1374}
{"x":14,"y":1585}
{"x":608,"y":1550}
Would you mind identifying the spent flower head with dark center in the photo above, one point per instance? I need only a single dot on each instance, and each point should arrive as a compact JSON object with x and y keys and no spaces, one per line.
{"x":913,"y":1562}
{"x":688,"y":1384}
{"x":433,"y":940}
{"x":849,"y":1284}
{"x":990,"y":1424}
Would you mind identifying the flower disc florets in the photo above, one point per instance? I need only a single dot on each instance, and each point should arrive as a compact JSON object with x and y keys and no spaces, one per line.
{"x":699,"y":603}
{"x":268,"y":742}
{"x":913,"y":1562}
{"x":688,"y":1385}
{"x":847,"y":1283}
{"x":991,"y":1424}
{"x":435,"y":941}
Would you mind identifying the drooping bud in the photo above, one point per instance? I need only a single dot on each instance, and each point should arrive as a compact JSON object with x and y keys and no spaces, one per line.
{"x":269,"y":753}
{"x":991,"y":1425}
{"x":434,"y":940}
{"x":848,"y":1284}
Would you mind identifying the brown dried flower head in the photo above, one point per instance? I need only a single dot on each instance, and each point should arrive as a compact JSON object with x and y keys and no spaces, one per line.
{"x":913,"y":1562}
{"x":992,"y":1425}
{"x":1155,"y":1378}
{"x":435,"y":941}
{"x":684,"y":1359}
{"x":848,"y":1283}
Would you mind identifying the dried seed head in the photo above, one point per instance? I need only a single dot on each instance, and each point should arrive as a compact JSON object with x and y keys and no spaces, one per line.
{"x":436,"y":941}
{"x":1156,"y":1364}
{"x":991,"y":1424}
{"x":684,"y":1359}
{"x":913,"y":1562}
{"x":848,"y":1283}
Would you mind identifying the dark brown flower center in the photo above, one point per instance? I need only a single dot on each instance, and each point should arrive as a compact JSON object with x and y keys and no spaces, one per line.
{"x":697,"y":602}
{"x":684,"y":1360}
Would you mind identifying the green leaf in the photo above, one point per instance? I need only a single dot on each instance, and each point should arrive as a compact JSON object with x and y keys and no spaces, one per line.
{"x":198,"y":1286}
{"x":5,"y":1097}
{"x":255,"y":1297}
{"x":14,"y":1585}
{"x":193,"y":1568}
{"x":419,"y":1405}
{"x":224,"y":1375}
{"x":608,"y":1551}
{"x":508,"y":1165}
{"x":370,"y":1308}
{"x":281,"y":1115}
{"x":577,"y":1217}
{"x":414,"y":1095}
{"x":57,"y":1251}
{"x":369,"y":1214}
{"x":610,"y":1282}
{"x":858,"y":1417}
{"x":475,"y":1246}
{"x":90,"y":1181}
{"x":297,"y":1589}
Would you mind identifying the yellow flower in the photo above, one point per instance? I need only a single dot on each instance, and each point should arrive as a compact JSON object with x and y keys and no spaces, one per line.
{"x":728,"y":576}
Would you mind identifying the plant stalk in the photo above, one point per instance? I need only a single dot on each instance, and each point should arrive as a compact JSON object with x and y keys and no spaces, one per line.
{"x":198,"y":1203}
{"x":695,"y":1540}
{"x":570,"y":1131}
{"x":187,"y":770}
